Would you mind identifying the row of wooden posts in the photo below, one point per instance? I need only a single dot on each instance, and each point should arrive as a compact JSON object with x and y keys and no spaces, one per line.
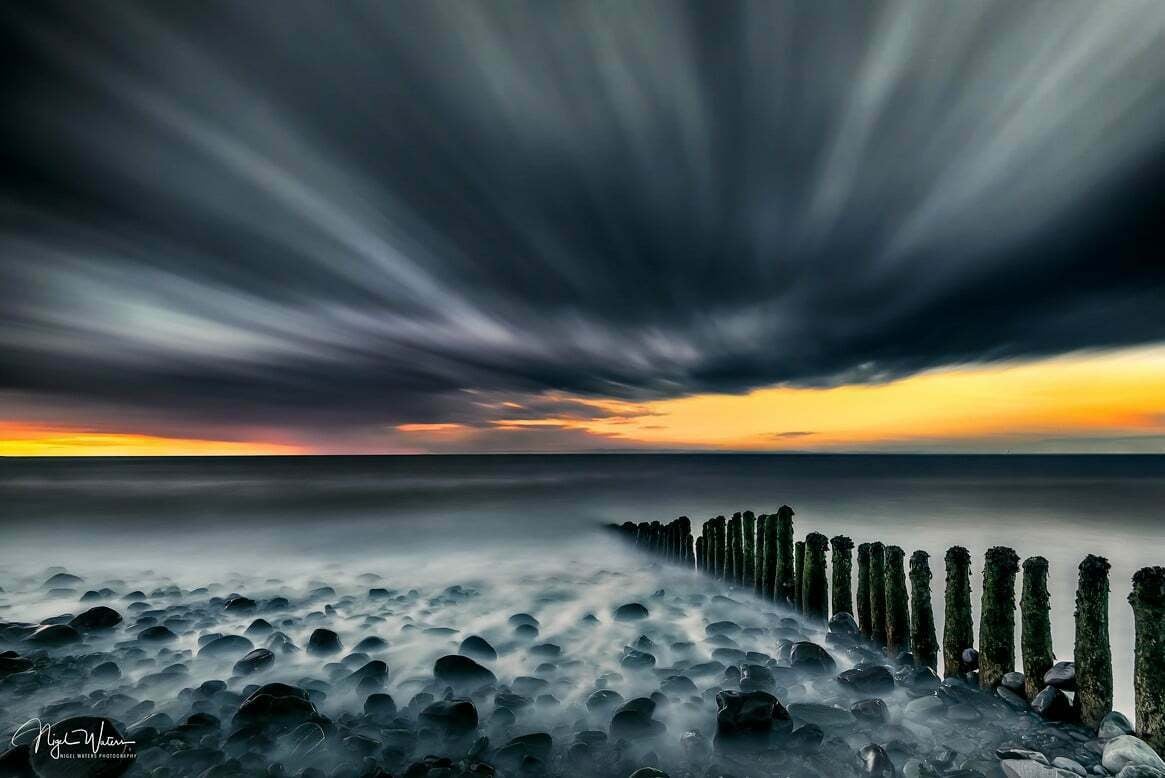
{"x":760,"y":553}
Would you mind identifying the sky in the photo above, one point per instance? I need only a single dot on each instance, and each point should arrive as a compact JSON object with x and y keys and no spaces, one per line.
{"x":232,"y":228}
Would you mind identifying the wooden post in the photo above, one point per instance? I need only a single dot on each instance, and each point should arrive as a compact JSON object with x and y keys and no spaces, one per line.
{"x":1035,"y":625}
{"x":958,"y":629}
{"x":799,"y":575}
{"x":1093,"y":655}
{"x":814,"y":578}
{"x":700,"y":554}
{"x":784,"y":590}
{"x":923,"y":643}
{"x":878,"y":593}
{"x":897,"y":603}
{"x":749,"y":528}
{"x":735,"y":550}
{"x":865,"y":626}
{"x":772,"y":557}
{"x":841,"y":575}
{"x":997,"y":616}
{"x":1148,"y":601}
{"x":762,"y":554}
{"x":687,"y":553}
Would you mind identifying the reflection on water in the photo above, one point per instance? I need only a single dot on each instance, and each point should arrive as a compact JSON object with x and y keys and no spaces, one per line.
{"x":200,"y":517}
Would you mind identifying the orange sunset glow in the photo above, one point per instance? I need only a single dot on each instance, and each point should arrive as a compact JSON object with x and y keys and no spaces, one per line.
{"x":1052,"y":404}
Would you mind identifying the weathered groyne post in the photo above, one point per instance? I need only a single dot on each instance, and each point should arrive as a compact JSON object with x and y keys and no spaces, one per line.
{"x":1092,"y":654}
{"x":784,"y":590}
{"x":1036,"y":625}
{"x":815,"y":591}
{"x":958,"y":630}
{"x":762,"y":553}
{"x":688,"y":551}
{"x":700,"y":554}
{"x":923,"y":641}
{"x":878,"y":593}
{"x":897,"y":605}
{"x":841,"y":574}
{"x":735,"y":553}
{"x":865,"y":626}
{"x":772,"y":557}
{"x":997,"y":616}
{"x":1148,"y":601}
{"x":799,"y":575}
{"x":718,"y":526}
{"x":749,"y":527}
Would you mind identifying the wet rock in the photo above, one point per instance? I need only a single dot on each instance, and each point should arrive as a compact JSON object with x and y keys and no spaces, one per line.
{"x":380,"y":705}
{"x":238,"y":603}
{"x":1128,"y":750}
{"x":1062,"y":676}
{"x":324,"y":642}
{"x":1011,"y":698}
{"x":255,"y":661}
{"x":1013,"y":681}
{"x":756,"y":678}
{"x":536,"y":745}
{"x":452,"y":717}
{"x":62,"y":580}
{"x":805,"y":739}
{"x":633,"y":719}
{"x":371,"y":643}
{"x":106,"y":671}
{"x":603,"y":700}
{"x":96,"y":619}
{"x":747,"y":715}
{"x":876,"y":762}
{"x":546,"y":650}
{"x":523,"y":620}
{"x":820,"y":714}
{"x":157,"y":634}
{"x":843,"y":624}
{"x":462,"y":672}
{"x":278,"y":706}
{"x":478,"y":648}
{"x":871,"y":711}
{"x":10,"y":663}
{"x":1052,"y":704}
{"x":227,"y":645}
{"x":678,"y":686}
{"x":811,"y":657}
{"x":868,"y":679}
{"x":636,"y":660}
{"x":75,"y":757}
{"x":631,"y":611}
{"x":1064,"y":763}
{"x":54,"y":636}
{"x":648,"y":772}
{"x":969,"y":660}
{"x":1115,"y":724}
{"x":258,"y":628}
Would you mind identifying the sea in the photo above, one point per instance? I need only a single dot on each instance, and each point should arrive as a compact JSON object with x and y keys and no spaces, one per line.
{"x":196,"y":517}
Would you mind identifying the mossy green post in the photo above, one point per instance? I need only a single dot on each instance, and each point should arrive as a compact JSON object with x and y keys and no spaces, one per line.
{"x":1148,"y":601}
{"x":814,"y":578}
{"x":772,"y":557}
{"x":799,"y":575}
{"x":1035,"y":605}
{"x":958,"y":629}
{"x":841,"y":575}
{"x":997,"y":616}
{"x":863,"y":614}
{"x":1092,"y":653}
{"x":878,"y":593}
{"x":897,"y":602}
{"x":785,"y":590}
{"x":923,"y":641}
{"x":749,"y":528}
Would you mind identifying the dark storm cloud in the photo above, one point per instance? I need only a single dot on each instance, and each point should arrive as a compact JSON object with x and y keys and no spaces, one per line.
{"x":336,"y":215}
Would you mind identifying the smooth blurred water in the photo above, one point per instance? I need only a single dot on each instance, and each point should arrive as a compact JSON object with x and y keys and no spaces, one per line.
{"x":195,"y":517}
